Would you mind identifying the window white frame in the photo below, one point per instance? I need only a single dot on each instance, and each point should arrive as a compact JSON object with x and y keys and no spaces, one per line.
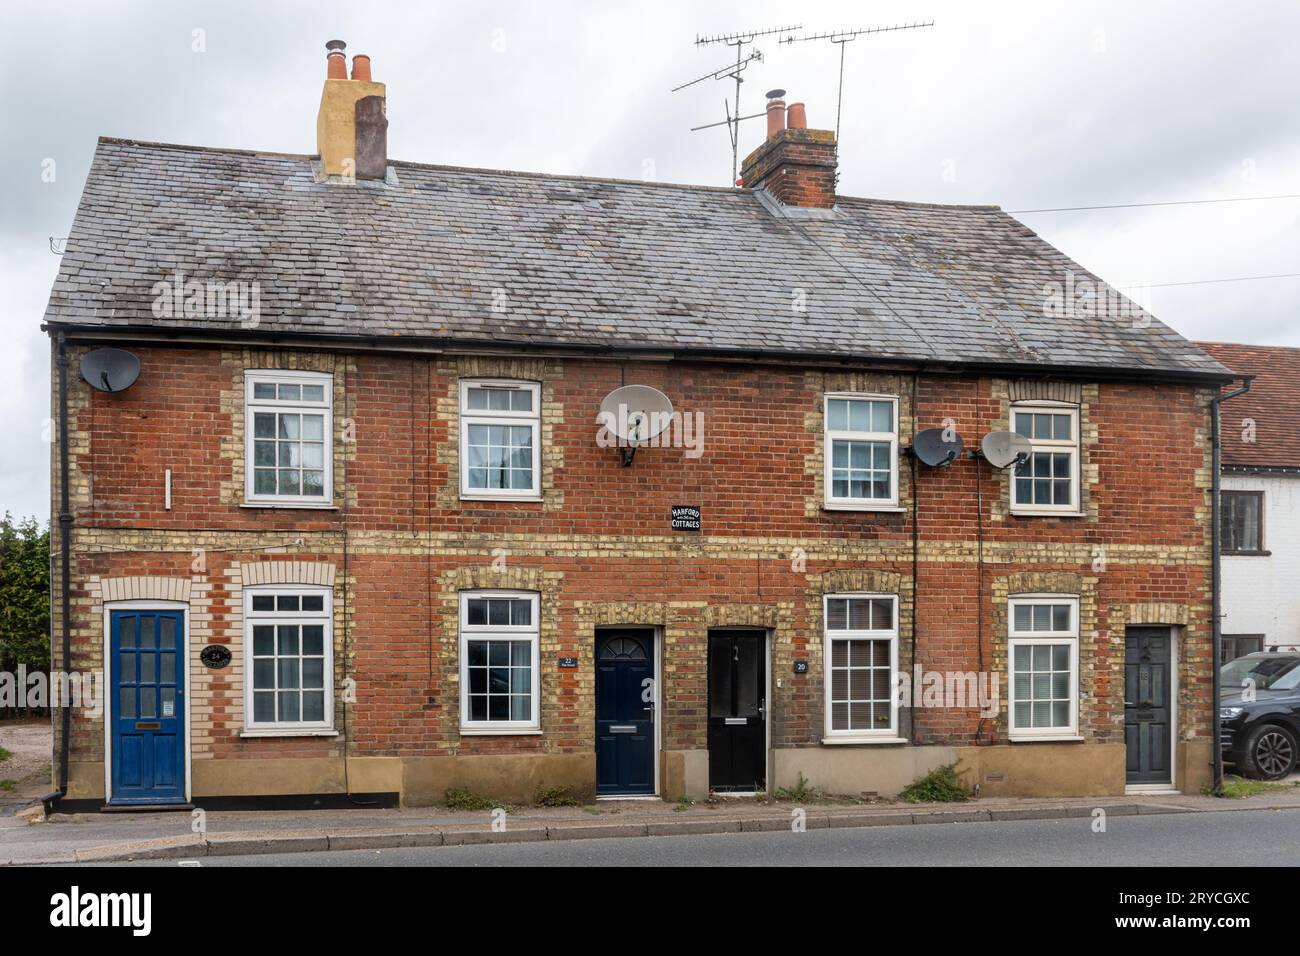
{"x":261,"y":618}
{"x":1049,"y":446}
{"x":884,"y":734}
{"x":532,"y":419}
{"x":830,"y":436}
{"x":500,"y":632}
{"x":253,"y":405}
{"x":1051,"y":638}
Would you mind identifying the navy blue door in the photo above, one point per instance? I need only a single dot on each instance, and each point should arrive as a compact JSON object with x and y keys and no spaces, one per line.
{"x":625,"y":713}
{"x":147,"y":707}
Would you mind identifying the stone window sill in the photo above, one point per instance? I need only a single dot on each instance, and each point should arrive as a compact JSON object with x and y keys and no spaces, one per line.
{"x":508,"y":498}
{"x":866,"y":509}
{"x":295,"y":505}
{"x":862,"y":741}
{"x":1048,"y":514}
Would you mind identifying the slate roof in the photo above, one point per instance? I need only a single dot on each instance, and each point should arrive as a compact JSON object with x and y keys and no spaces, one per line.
{"x":578,"y":262}
{"x":1271,"y":403}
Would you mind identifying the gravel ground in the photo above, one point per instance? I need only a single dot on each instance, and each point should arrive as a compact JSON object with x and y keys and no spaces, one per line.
{"x":29,"y":766}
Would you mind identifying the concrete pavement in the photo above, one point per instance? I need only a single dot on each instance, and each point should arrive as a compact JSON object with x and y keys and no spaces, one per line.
{"x":118,"y":837}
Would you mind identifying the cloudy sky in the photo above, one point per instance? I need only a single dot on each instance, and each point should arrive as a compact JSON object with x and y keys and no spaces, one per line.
{"x":1027,"y":105}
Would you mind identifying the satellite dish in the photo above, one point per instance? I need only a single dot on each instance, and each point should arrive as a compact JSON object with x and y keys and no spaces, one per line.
{"x":1003,"y":449}
{"x":635,"y":414}
{"x":937,"y":447}
{"x":110,"y":370}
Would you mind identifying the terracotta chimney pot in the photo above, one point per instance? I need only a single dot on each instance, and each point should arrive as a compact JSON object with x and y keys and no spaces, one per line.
{"x":361,"y":68}
{"x":336,"y":67}
{"x":775,"y":116}
{"x":796,"y":116}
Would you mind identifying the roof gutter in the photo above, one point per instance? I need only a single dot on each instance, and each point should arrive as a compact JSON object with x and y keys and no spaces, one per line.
{"x":428,"y":344}
{"x":1216,"y":573}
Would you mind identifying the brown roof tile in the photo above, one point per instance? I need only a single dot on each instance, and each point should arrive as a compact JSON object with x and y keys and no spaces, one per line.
{"x":1273,"y":404}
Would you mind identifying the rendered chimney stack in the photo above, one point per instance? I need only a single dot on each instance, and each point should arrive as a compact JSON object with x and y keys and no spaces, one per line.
{"x":795,"y":165}
{"x":352,"y":125}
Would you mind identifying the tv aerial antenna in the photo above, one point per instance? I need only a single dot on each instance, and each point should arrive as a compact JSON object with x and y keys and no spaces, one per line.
{"x":843,"y":38}
{"x":723,"y":72}
{"x":732,"y":72}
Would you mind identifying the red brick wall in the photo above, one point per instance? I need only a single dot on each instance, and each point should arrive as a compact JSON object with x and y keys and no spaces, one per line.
{"x":797,"y":167}
{"x":610,"y":540}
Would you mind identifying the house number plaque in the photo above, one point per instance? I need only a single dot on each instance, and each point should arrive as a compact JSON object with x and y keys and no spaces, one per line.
{"x":215,"y":656}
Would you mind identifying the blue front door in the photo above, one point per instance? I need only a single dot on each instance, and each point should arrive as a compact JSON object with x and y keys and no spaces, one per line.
{"x":147,"y":706}
{"x":625,"y":712}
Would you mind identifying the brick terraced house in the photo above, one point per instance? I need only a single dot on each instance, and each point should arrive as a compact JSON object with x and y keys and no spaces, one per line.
{"x":356,"y":530}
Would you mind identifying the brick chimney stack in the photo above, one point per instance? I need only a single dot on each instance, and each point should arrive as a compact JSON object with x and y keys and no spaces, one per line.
{"x":352,"y":125}
{"x":796,"y":165}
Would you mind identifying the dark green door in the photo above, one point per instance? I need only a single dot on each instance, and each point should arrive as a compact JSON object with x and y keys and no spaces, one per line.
{"x":1148,"y":724}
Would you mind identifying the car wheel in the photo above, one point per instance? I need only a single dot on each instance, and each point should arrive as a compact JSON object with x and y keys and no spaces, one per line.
{"x":1270,"y":752}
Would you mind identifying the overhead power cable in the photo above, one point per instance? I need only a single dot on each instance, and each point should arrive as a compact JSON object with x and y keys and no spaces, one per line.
{"x":1145,"y":205}
{"x":1166,"y":285}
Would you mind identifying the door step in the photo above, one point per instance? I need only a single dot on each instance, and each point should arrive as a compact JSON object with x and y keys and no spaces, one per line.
{"x":628,"y":796}
{"x":144,"y":807}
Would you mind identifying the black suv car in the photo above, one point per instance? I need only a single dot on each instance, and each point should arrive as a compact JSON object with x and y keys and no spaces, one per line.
{"x":1259,"y":714}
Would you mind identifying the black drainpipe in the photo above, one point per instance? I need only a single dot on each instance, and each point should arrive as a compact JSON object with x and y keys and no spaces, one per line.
{"x":916,"y":576}
{"x":1216,"y":628}
{"x":65,"y":575}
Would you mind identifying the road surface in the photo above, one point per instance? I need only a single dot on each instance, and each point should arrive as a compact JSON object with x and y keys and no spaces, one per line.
{"x":1231,"y":838}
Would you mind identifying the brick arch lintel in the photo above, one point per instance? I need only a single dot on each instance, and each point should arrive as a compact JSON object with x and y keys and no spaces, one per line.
{"x":1044,"y":582}
{"x":1150,"y":613}
{"x":848,"y":580}
{"x":286,"y":572}
{"x":485,"y":577}
{"x":145,"y":588}
{"x":646,"y":613}
{"x":741,"y":615}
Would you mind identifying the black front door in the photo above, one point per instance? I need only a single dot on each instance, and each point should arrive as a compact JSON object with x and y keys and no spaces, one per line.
{"x":737,"y":711}
{"x":625,"y":711}
{"x":1148,"y":727}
